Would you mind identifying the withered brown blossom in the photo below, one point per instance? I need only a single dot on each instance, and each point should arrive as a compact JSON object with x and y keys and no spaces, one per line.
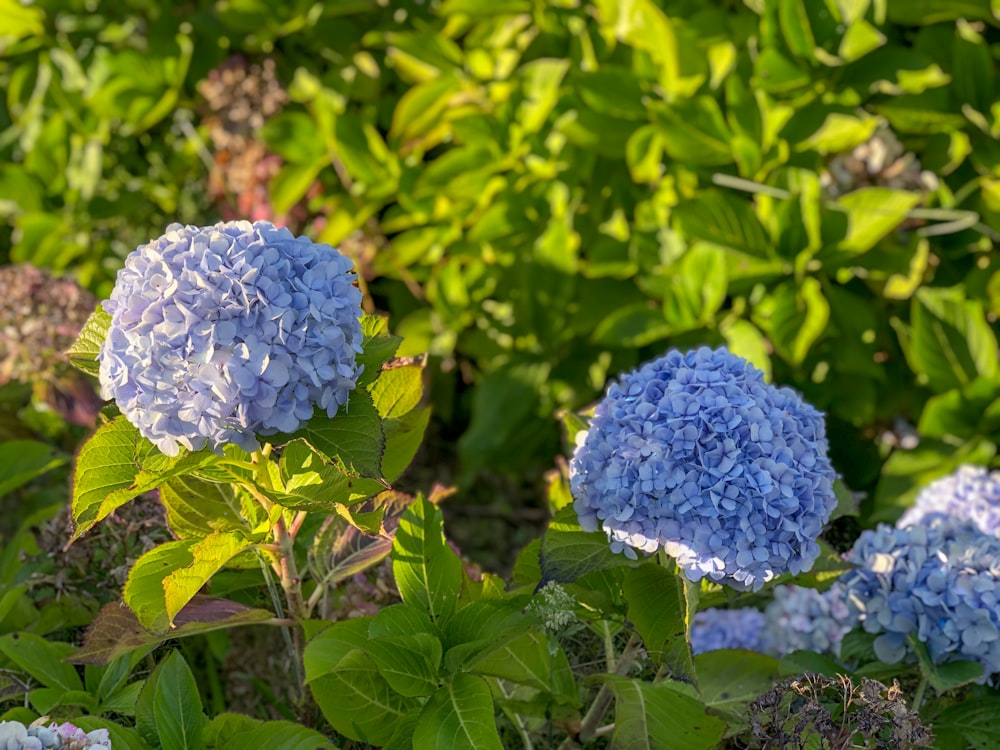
{"x":826,"y":713}
{"x":881,"y":161}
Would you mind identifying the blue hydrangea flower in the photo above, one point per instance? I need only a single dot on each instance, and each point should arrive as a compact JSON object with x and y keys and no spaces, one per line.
{"x":971,"y":493}
{"x":696,"y":454}
{"x":15,"y":736}
{"x":222,"y":333}
{"x":939,"y":580}
{"x":801,"y":618}
{"x":713,"y":629}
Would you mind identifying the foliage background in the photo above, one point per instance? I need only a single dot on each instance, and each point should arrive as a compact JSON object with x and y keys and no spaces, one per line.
{"x":544,"y":194}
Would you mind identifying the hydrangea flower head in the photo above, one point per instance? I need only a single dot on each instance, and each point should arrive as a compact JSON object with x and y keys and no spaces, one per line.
{"x":971,"y":493}
{"x":694,"y":453}
{"x":15,"y":736}
{"x":938,"y":580}
{"x":222,"y":333}
{"x":713,"y":629}
{"x":805,"y":619}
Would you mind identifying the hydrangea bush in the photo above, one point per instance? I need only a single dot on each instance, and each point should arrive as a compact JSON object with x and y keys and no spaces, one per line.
{"x":220,"y":334}
{"x":695,"y":454}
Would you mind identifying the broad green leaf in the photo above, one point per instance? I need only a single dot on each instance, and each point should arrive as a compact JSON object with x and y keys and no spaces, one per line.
{"x":524,"y":659}
{"x":356,"y":699}
{"x":661,"y":716}
{"x":333,"y":643}
{"x":644,"y":155}
{"x":208,"y":555}
{"x":196,"y":508}
{"x":378,"y":347}
{"x":612,"y":91}
{"x":660,"y":608}
{"x":794,"y":317}
{"x":962,"y":413}
{"x":83,"y":353}
{"x":278,"y":735}
{"x":728,"y":680}
{"x":312,"y":484}
{"x":353,"y":440}
{"x":458,"y":716}
{"x":722,"y":219}
{"x":24,"y":460}
{"x":409,"y":663}
{"x":947,"y":676}
{"x":42,"y":659}
{"x":144,"y":589}
{"x":428,"y":572}
{"x":397,"y":391}
{"x":632,"y":326}
{"x":972,"y":723}
{"x":695,"y":132}
{"x":569,"y":552}
{"x":950,"y":342}
{"x":541,"y":81}
{"x":745,"y":340}
{"x":840,"y":133}
{"x":872,"y":213}
{"x":176,"y":704}
{"x":403,"y":438}
{"x":115,"y":465}
{"x":697,"y":288}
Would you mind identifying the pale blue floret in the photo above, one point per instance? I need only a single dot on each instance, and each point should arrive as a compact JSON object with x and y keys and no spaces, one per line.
{"x":805,"y":619}
{"x":713,"y":629}
{"x":223,"y":333}
{"x":694,"y":453}
{"x":971,"y":492}
{"x":939,"y":580}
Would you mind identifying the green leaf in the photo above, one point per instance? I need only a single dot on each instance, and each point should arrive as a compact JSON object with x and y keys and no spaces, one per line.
{"x":947,"y":676}
{"x":378,"y":346}
{"x":353,"y":440}
{"x":458,"y":716}
{"x":24,"y":460}
{"x":524,"y":659}
{"x":428,"y":573}
{"x":644,"y":155}
{"x":569,"y":552}
{"x":403,"y":438}
{"x":695,"y":132}
{"x":541,"y":81}
{"x":794,"y":317}
{"x":728,"y":680}
{"x":208,"y":555}
{"x":950,"y":342}
{"x":41,"y":659}
{"x":83,"y":353}
{"x":612,"y":91}
{"x":632,"y":326}
{"x":397,"y":391}
{"x":661,"y":716}
{"x":115,"y":465}
{"x":745,"y":340}
{"x":409,"y":663}
{"x":971,"y":723}
{"x":176,"y":704}
{"x":347,"y":686}
{"x":840,"y":133}
{"x":660,"y":609}
{"x":872,"y":213}
{"x":276,"y":735}
{"x":144,"y":589}
{"x":722,"y":219}
{"x":196,"y":508}
{"x":311,"y":484}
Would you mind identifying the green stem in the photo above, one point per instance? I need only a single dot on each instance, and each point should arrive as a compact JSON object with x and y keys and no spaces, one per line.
{"x":591,"y":720}
{"x":918,"y":697}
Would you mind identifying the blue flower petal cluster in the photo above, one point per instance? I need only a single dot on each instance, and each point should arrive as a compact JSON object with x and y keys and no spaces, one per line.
{"x":696,"y":454}
{"x":15,"y":736}
{"x":971,"y":493}
{"x":938,"y":580}
{"x":713,"y":629}
{"x":801,"y":618}
{"x":222,"y":333}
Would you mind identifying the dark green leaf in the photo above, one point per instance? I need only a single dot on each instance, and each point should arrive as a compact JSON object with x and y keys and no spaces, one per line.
{"x":660,"y":609}
{"x":24,"y":460}
{"x":428,"y":573}
{"x":661,"y":716}
{"x":569,"y":552}
{"x":41,"y":659}
{"x":83,"y":353}
{"x":176,"y":704}
{"x":459,"y":715}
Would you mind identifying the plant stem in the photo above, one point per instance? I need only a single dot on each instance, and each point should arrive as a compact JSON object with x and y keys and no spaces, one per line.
{"x":589,"y":726}
{"x":918,"y":697}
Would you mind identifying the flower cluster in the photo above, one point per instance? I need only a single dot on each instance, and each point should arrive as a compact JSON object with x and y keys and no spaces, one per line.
{"x":938,"y":580}
{"x":696,"y":454}
{"x":15,"y":736}
{"x":971,"y":493}
{"x":805,"y":619}
{"x":713,"y":629}
{"x":554,"y":606}
{"x":222,"y":333}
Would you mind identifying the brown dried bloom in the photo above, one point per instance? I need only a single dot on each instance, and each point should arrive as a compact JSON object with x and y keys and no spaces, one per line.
{"x":881,"y":161}
{"x":835,"y":714}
